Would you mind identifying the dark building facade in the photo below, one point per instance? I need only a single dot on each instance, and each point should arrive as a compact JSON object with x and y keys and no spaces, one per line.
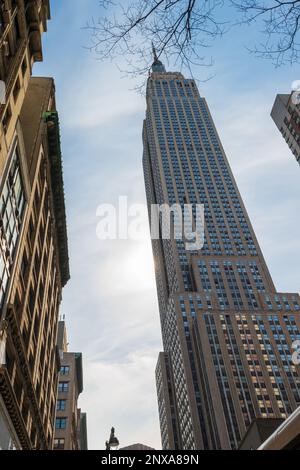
{"x":83,"y":431}
{"x":34,"y":264}
{"x":259,"y":431}
{"x":71,"y":429}
{"x":286,"y":116}
{"x":286,"y":436}
{"x":227,"y":333}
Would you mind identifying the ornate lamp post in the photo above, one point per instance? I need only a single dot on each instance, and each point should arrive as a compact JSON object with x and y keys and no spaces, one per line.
{"x":113,"y":442}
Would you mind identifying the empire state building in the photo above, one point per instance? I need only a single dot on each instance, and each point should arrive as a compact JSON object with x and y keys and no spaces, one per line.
{"x":228,"y":335}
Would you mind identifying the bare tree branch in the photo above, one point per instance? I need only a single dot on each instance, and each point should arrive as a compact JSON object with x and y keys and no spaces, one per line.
{"x":182,"y":30}
{"x":280,"y":21}
{"x":179,"y":29}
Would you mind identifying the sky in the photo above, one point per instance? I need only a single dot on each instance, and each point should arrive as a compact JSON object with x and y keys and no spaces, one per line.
{"x":110,"y":303}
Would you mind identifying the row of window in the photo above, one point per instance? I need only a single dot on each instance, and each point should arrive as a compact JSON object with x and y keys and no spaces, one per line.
{"x":184,"y":129}
{"x":61,"y":405}
{"x":12,"y":205}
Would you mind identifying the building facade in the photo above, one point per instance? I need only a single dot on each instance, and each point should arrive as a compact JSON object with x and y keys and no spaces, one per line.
{"x":71,"y":430}
{"x":259,"y":431}
{"x":34,"y":263}
{"x":167,"y":403}
{"x":286,"y":116}
{"x":83,"y":431}
{"x":227,"y":333}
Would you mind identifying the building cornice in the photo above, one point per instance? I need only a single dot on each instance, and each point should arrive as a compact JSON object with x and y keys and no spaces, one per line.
{"x":55,"y":159}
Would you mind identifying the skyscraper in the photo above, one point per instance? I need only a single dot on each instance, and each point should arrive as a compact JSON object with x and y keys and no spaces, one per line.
{"x":228,"y":335}
{"x":34,"y":264}
{"x":286,"y":116}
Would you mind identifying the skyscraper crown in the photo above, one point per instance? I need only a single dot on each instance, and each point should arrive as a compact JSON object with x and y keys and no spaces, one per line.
{"x":157,"y":65}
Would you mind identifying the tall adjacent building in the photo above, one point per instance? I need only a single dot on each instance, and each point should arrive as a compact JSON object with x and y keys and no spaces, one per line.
{"x":70,"y":424}
{"x":228,"y":335}
{"x":286,"y":116}
{"x":34,"y":264}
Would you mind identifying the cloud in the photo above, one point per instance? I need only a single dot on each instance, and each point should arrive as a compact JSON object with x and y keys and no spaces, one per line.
{"x":121,"y":395}
{"x":111,"y":302}
{"x":95,"y":99}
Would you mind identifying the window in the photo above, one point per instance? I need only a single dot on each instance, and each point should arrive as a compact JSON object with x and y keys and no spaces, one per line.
{"x":63,"y":387}
{"x":61,"y":405}
{"x":65,"y":370}
{"x":61,"y":423}
{"x":59,"y":444}
{"x":12,"y":203}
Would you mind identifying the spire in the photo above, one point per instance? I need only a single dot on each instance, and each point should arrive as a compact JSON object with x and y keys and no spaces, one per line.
{"x":154,"y":53}
{"x":157,"y":65}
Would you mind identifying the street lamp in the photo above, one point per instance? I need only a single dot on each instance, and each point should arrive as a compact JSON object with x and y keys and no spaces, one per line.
{"x":113,"y":442}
